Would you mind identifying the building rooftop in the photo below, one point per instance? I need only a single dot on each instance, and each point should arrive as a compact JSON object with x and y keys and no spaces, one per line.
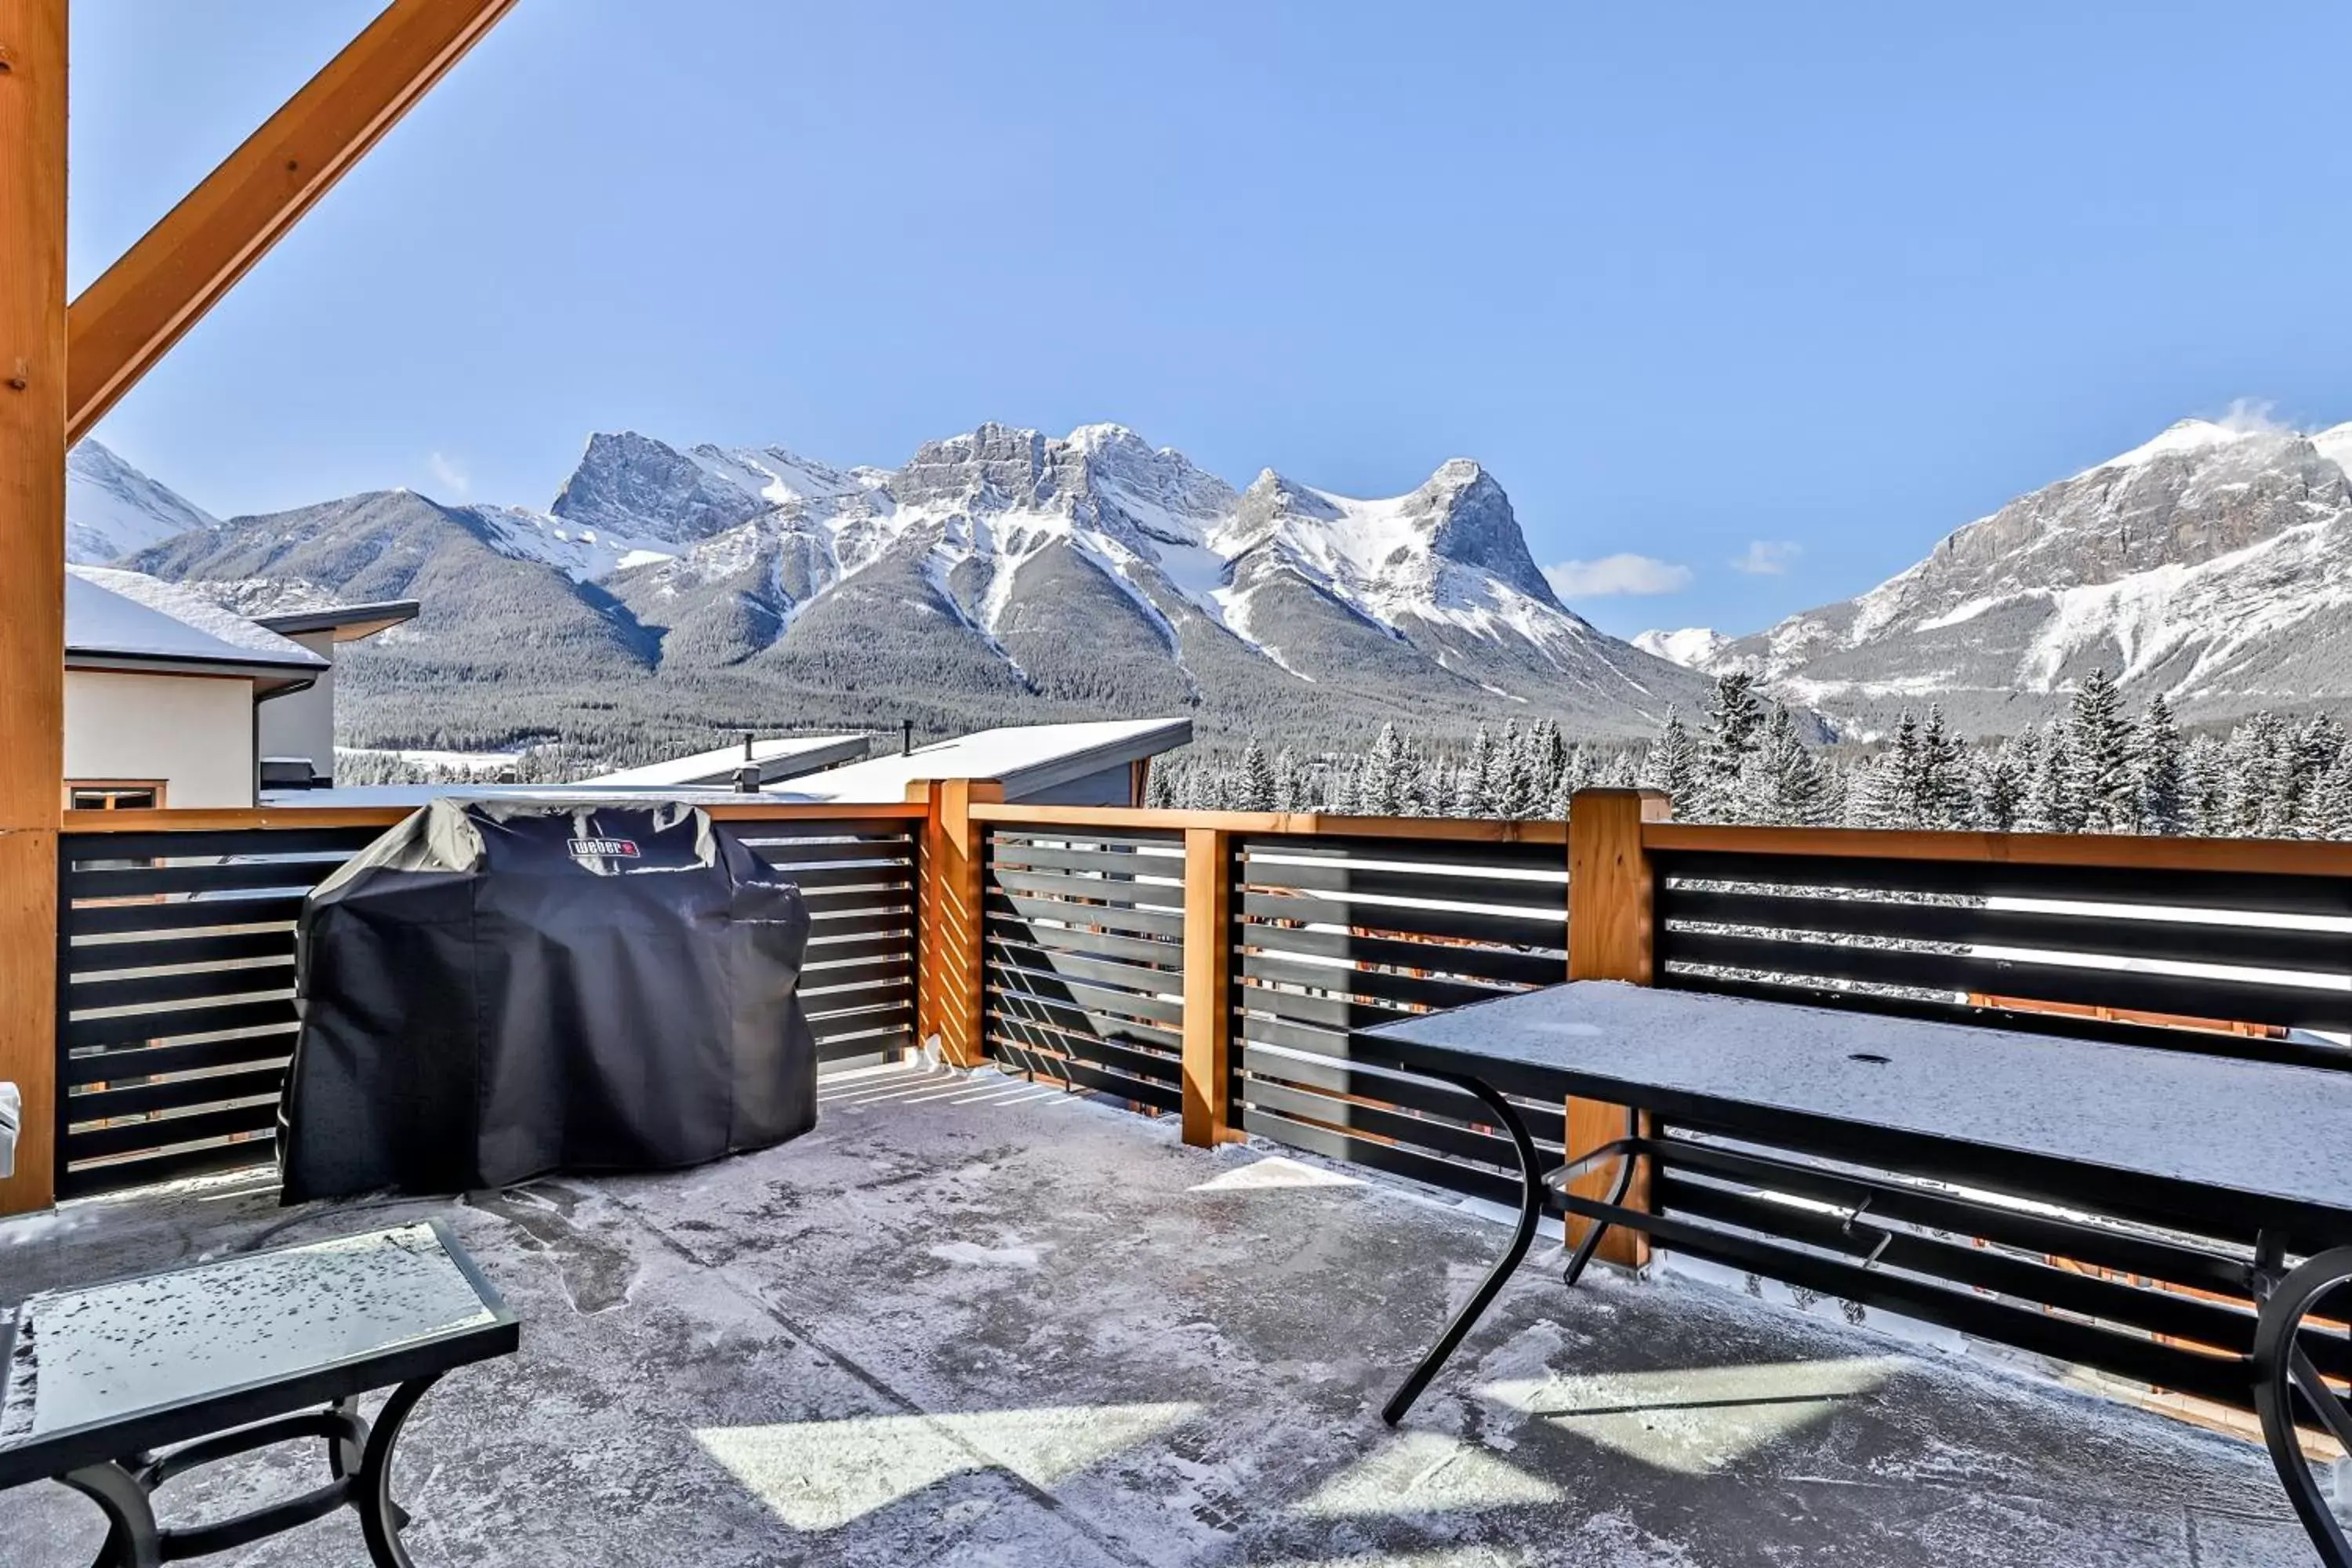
{"x":971,"y":1319}
{"x":1025,"y":758}
{"x":118,"y":619}
{"x":779,"y":758}
{"x":350,"y":623}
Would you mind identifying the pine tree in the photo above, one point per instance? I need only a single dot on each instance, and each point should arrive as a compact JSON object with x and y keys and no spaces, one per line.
{"x":2327,"y":807}
{"x":2159,"y":778}
{"x":1672,"y":763}
{"x":1475,"y":785}
{"x":1785,"y":782}
{"x":1289,"y":784}
{"x":2207,"y":778}
{"x":1733,"y":725}
{"x":2100,"y":784}
{"x":1380,"y":787}
{"x":1253,"y":786}
{"x":1942,"y":798}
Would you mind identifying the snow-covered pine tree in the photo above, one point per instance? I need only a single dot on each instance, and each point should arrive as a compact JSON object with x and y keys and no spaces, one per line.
{"x":1673,"y":764}
{"x":1996,"y":789}
{"x":1733,"y":726}
{"x":1289,"y":787}
{"x":2327,"y":805}
{"x":2205,"y":778}
{"x":1379,"y":785}
{"x":1253,"y":783}
{"x":2050,"y":803}
{"x":2159,"y":781}
{"x":2100,"y":784}
{"x":1473,"y":786}
{"x":1784,"y":781}
{"x":1942,"y":786}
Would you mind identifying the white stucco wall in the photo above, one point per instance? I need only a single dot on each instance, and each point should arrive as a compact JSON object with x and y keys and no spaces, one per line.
{"x":302,"y":723}
{"x":195,"y":732}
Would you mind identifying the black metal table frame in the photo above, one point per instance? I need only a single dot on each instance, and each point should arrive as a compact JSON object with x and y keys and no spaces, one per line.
{"x":2285,"y":1381}
{"x":116,"y":1464}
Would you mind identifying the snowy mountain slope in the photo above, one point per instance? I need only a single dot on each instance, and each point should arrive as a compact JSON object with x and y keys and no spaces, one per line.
{"x":1691,"y":646}
{"x":1010,"y":572}
{"x":2212,"y":563}
{"x":113,"y":509}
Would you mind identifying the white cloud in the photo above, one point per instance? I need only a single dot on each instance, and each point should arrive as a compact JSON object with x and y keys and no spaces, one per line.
{"x":1614,"y":574}
{"x":1767,"y":557}
{"x":448,"y":473}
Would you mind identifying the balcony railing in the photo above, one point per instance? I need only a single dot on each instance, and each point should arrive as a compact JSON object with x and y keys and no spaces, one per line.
{"x":1212,"y":965}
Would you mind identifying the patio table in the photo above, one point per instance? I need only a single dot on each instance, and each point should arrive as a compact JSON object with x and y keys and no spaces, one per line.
{"x":2159,"y":1137}
{"x":235,"y":1355}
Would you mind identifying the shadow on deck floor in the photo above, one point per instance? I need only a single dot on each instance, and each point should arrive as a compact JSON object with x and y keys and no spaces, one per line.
{"x":971,"y":1321}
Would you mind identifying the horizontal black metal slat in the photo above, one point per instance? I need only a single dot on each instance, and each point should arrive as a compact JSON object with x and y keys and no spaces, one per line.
{"x":1332,"y":1075}
{"x":147,"y":881}
{"x":1114,"y":863}
{"x":86,"y":849}
{"x":2140,"y":990}
{"x":185,"y":914}
{"x":1107,"y":995}
{"x":1330,"y":1012}
{"x":1393,"y":1159}
{"x":1142,"y":950}
{"x":1125,"y":1060}
{"x":99,"y":1143}
{"x":1513,"y":967}
{"x":1076,"y":1019}
{"x":1550,"y":859}
{"x":1378,"y":984}
{"x":1088,"y":891}
{"x":1085,"y":1075}
{"x":1439,"y":883}
{"x":186,"y":986}
{"x":91,"y":960}
{"x":1068,"y":963}
{"x":169,"y":1023}
{"x":261,"y":1047}
{"x":173,"y":1094}
{"x":1539,"y":930}
{"x":1443,"y":1138}
{"x":2264,"y":891}
{"x":1972,"y":925}
{"x":1124,"y":919}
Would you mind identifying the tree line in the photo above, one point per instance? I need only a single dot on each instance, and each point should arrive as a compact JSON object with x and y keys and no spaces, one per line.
{"x":2094,"y":768}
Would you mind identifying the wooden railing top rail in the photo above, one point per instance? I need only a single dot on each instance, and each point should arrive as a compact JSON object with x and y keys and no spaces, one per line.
{"x":169,"y":819}
{"x":2281,"y":857}
{"x":1302,"y":824}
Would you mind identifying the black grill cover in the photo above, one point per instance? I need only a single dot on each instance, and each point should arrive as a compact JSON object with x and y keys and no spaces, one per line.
{"x":497,"y":989}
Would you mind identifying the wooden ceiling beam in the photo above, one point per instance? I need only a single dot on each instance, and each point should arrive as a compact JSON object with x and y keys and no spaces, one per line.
{"x":133,"y":314}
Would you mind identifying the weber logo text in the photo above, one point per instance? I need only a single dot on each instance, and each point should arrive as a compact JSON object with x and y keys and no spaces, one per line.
{"x":625,"y":848}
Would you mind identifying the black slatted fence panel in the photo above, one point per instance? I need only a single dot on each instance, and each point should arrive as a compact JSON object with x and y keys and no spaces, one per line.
{"x":176,"y":974}
{"x":1083,"y":959}
{"x":858,"y":876}
{"x":1342,"y":934}
{"x":176,"y":1005}
{"x":2242,"y":963}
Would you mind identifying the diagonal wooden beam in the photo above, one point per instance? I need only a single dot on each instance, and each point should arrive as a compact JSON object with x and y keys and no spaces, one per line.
{"x":126,"y":321}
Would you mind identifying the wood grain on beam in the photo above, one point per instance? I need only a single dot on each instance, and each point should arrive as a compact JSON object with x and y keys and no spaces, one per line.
{"x":126,"y":321}
{"x":32,"y":591}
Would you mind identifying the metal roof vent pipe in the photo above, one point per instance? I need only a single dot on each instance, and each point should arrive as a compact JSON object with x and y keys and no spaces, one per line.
{"x":747,"y":779}
{"x":906,"y":737}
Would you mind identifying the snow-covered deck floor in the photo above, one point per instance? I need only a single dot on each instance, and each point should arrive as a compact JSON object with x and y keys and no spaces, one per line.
{"x":971,"y":1321}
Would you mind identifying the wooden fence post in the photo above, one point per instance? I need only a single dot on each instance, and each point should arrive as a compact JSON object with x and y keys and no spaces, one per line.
{"x":1208,"y":985}
{"x":950,"y":965}
{"x":32,"y":592}
{"x":1610,"y":915}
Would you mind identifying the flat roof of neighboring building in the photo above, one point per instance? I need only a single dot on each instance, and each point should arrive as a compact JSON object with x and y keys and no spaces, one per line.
{"x":782,"y":757}
{"x":1024,"y":758}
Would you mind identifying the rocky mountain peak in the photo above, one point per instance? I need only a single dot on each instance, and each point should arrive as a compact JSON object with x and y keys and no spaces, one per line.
{"x":1469,"y":520}
{"x":634,"y":485}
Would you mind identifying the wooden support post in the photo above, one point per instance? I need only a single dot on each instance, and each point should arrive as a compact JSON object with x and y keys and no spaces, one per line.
{"x":1208,"y":986}
{"x":1609,"y":922}
{"x":950,"y":965}
{"x":32,"y":591}
{"x":136,"y":309}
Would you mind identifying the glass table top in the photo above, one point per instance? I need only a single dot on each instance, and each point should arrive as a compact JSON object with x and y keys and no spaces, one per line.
{"x":111,"y":1352}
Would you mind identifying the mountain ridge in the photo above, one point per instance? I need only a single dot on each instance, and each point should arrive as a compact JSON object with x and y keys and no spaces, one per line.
{"x":1000,"y":573}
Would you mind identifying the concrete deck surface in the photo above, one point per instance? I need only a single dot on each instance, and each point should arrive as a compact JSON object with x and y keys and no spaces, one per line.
{"x":972,"y":1322}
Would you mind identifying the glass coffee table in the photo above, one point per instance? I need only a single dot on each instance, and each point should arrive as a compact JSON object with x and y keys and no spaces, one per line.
{"x":226,"y":1357}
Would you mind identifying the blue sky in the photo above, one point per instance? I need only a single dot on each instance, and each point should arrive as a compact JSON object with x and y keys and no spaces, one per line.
{"x":1794,"y":287}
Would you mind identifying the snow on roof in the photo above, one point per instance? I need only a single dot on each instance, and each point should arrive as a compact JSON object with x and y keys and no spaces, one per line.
{"x":780,"y":758}
{"x":1024,"y":758}
{"x":115,"y":614}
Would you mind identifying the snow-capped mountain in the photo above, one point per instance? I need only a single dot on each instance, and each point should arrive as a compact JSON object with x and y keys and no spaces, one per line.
{"x":1693,"y":648}
{"x":2212,"y":564}
{"x":113,"y":508}
{"x":1001,"y":573}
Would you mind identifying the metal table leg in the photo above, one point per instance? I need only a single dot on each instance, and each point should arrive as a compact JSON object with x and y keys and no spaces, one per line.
{"x":381,"y":1519}
{"x":1530,"y":1213}
{"x":1591,"y":1242}
{"x":2284,"y":1375}
{"x":132,"y":1541}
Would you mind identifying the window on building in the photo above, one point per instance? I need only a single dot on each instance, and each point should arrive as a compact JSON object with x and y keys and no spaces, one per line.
{"x":113,"y":795}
